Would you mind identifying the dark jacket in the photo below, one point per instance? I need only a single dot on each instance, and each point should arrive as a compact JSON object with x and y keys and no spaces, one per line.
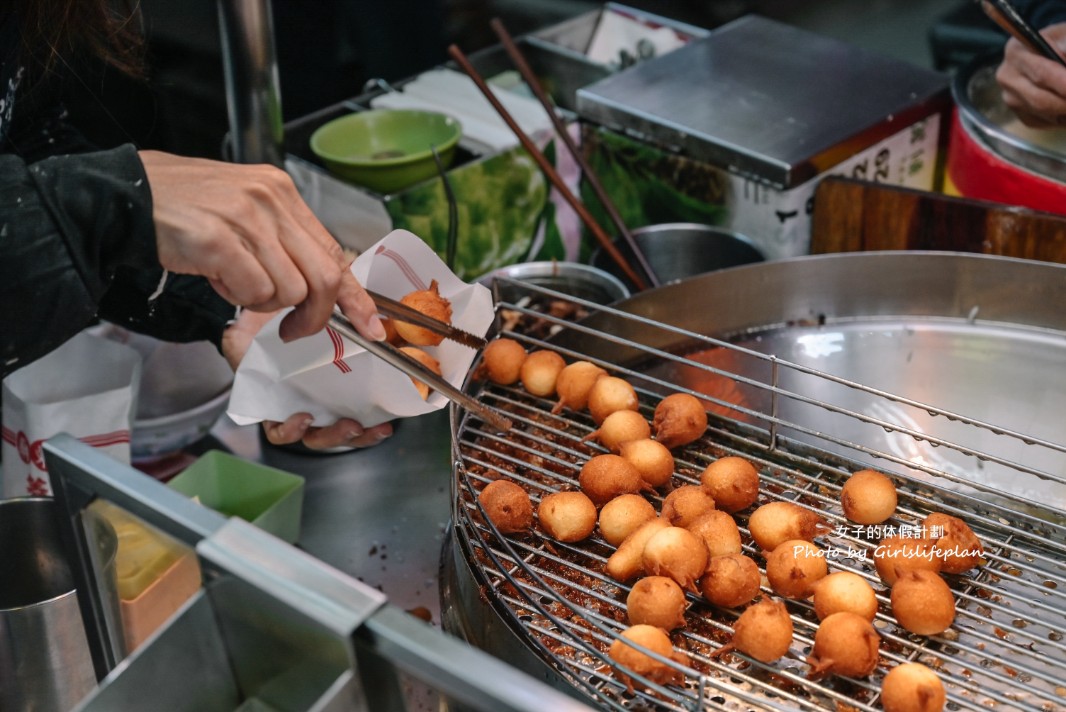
{"x":1041,"y":13}
{"x":77,"y":240}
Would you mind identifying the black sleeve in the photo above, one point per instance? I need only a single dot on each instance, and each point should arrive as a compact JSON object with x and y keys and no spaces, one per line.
{"x":72,"y":229}
{"x":1041,"y":13}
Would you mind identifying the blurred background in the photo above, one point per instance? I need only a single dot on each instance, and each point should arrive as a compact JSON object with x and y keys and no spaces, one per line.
{"x":329,"y":49}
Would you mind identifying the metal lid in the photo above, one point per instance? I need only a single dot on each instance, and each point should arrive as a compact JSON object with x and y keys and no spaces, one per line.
{"x":766,"y":100}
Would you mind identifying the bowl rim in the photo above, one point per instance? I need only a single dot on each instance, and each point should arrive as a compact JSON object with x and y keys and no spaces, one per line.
{"x":449,"y":121}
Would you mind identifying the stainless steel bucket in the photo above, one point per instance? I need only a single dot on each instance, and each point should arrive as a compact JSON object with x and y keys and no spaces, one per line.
{"x":44,"y":655}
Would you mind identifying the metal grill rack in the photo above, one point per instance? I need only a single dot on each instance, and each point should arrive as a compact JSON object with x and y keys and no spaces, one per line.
{"x":1005,"y":649}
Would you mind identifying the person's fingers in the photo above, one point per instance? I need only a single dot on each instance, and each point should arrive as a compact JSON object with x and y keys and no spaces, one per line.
{"x":360,"y":309}
{"x":346,"y":433}
{"x":289,"y":431}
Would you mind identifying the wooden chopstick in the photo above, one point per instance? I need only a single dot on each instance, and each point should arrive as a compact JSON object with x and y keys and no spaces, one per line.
{"x":549,"y":170}
{"x":560,"y":129}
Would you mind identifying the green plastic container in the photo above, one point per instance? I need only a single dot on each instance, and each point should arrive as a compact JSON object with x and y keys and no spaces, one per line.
{"x":269,"y":498}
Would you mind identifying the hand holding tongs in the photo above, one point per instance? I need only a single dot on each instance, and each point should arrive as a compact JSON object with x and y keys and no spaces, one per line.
{"x":398,"y":359}
{"x":1006,"y":16}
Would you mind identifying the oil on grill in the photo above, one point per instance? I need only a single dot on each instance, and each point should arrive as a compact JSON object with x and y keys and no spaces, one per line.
{"x":1004,"y":650}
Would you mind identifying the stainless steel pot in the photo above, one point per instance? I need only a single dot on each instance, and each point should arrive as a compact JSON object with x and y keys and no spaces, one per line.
{"x":680,"y":250}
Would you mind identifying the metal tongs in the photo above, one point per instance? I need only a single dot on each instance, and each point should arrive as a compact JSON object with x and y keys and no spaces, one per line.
{"x":398,"y":359}
{"x":1006,"y":16}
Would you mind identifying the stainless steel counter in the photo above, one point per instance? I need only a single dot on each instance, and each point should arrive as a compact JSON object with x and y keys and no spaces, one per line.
{"x":377,"y":514}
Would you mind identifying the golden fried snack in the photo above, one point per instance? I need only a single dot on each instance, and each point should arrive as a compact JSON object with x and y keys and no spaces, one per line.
{"x":844,"y":591}
{"x":763,"y":631}
{"x":731,"y":581}
{"x":501,"y":361}
{"x":912,"y":687}
{"x":609,"y":394}
{"x":959,"y":548}
{"x":508,"y":506}
{"x":868,"y":497}
{"x":686,"y":504}
{"x":896,"y":554}
{"x":922,"y":602}
{"x":679,"y":420}
{"x":432,"y":304}
{"x":732,"y":481}
{"x":567,"y":516}
{"x":652,"y":459}
{"x":622,"y":515}
{"x":604,"y":477}
{"x":657,"y":601}
{"x":574,"y":383}
{"x":775,"y":522}
{"x":539,"y":372}
{"x":844,"y":644}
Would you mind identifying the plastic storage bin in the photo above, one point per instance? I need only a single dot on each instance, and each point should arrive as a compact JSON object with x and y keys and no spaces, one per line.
{"x":269,"y":498}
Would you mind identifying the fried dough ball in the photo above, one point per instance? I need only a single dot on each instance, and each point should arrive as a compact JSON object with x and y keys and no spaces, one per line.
{"x":775,"y":522}
{"x":508,"y":506}
{"x":657,"y":601}
{"x":567,"y":516}
{"x":844,"y":591}
{"x":685,"y":504}
{"x":679,"y":420}
{"x":763,"y":631}
{"x":868,"y":497}
{"x":539,"y":372}
{"x":604,"y":477}
{"x":652,"y":638}
{"x":620,"y":427}
{"x":719,"y":532}
{"x":652,"y":459}
{"x":730,"y":581}
{"x":622,"y":515}
{"x":958,"y":548}
{"x":391,"y":335}
{"x":677,"y":553}
{"x":922,"y":602}
{"x":426,"y":360}
{"x":912,"y":687}
{"x":627,"y":562}
{"x":896,"y":554}
{"x":844,"y":644}
{"x":794,"y":567}
{"x":432,"y":304}
{"x":574,"y":383}
{"x":609,"y":394}
{"x":501,"y":361}
{"x":732,"y":481}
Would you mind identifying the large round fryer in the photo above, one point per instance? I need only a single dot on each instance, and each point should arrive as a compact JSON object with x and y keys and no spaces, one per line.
{"x":519,"y":598}
{"x":979,"y":336}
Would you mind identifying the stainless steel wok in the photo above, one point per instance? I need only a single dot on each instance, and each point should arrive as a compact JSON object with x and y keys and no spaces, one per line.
{"x":943,"y":370}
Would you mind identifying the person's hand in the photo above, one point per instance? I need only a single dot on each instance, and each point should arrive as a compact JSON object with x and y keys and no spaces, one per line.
{"x":247,"y":230}
{"x":297,"y":427}
{"x":1033,"y":86}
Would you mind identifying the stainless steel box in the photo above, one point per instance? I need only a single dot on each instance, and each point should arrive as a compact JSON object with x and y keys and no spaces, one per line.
{"x":765,"y":109}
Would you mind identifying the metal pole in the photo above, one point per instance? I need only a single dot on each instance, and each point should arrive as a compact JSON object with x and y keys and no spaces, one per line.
{"x":253,"y":90}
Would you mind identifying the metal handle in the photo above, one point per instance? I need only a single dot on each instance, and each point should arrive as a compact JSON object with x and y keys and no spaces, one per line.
{"x":393,"y":356}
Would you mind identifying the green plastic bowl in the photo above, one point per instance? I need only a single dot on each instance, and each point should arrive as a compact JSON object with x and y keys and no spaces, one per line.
{"x":386,"y":150}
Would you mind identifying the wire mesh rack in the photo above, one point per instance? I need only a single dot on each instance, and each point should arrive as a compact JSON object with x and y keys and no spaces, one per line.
{"x":1004,"y":650}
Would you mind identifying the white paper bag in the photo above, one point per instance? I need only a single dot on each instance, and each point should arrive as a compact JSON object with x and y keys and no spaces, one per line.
{"x":86,"y":388}
{"x":331,"y":378}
